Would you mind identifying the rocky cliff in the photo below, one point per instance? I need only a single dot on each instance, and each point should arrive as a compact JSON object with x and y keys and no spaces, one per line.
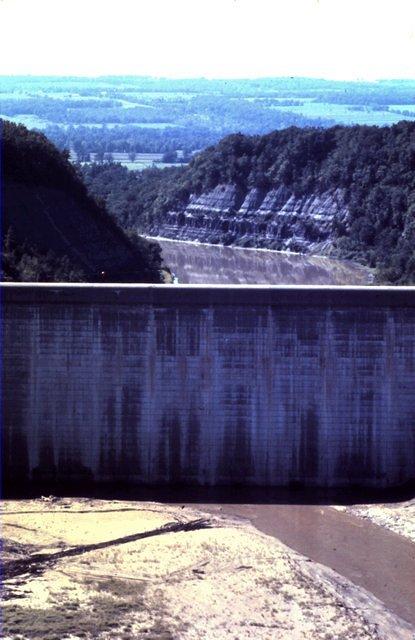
{"x":273,"y":218}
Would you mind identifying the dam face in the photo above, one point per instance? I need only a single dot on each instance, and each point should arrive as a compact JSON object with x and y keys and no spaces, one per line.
{"x":209,"y":385}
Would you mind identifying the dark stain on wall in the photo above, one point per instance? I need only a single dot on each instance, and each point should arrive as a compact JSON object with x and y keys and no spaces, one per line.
{"x":204,"y":386}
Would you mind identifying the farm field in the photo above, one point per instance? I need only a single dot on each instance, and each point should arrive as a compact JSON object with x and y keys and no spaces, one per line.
{"x":113,"y":125}
{"x":141,"y":161}
{"x":347,"y":114}
{"x":29,"y":120}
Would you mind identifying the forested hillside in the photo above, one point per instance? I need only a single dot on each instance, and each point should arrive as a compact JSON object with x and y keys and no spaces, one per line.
{"x":52,"y":229}
{"x":370,"y":169}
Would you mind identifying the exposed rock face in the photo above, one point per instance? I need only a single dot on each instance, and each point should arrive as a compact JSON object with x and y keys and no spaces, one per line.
{"x":275,"y":218}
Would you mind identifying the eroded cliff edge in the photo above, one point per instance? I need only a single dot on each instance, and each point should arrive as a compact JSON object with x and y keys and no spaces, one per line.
{"x":273,"y":218}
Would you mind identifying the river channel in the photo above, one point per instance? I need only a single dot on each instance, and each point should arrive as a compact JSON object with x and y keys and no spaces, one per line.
{"x":197,"y":263}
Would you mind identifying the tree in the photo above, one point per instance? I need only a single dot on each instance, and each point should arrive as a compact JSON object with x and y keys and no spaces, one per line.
{"x":170,"y":156}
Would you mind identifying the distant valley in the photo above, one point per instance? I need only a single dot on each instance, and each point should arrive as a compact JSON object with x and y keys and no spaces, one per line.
{"x":144,"y":121}
{"x":318,"y":167}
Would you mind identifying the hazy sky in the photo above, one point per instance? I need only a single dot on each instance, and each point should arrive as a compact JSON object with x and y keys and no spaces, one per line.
{"x":215,"y":38}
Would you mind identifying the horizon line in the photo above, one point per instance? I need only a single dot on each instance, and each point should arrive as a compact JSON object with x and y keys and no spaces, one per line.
{"x":209,"y":78}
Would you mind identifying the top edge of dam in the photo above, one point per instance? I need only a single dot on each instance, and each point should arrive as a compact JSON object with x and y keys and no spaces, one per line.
{"x":207,"y":294}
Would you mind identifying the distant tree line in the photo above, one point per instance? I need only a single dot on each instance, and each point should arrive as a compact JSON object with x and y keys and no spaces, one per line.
{"x":115,"y":86}
{"x":195,"y":131}
{"x":214,"y":111}
{"x":129,"y":139}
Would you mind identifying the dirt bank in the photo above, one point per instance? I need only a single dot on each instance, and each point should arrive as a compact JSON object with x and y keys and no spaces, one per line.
{"x":370,"y":556}
{"x":83,"y":568}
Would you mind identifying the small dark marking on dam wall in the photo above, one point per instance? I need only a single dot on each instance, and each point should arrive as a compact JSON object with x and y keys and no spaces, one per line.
{"x":209,"y":384}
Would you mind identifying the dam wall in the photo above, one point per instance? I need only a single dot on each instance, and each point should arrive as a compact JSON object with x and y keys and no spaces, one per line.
{"x":209,"y":385}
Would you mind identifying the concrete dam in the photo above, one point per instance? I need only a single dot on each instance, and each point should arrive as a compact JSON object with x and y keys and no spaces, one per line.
{"x":209,"y":385}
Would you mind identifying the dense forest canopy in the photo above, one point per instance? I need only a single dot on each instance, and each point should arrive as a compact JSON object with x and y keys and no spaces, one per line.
{"x":52,"y":229}
{"x":375,"y":166}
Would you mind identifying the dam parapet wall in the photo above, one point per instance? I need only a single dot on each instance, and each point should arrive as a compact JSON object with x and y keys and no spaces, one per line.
{"x":209,"y":385}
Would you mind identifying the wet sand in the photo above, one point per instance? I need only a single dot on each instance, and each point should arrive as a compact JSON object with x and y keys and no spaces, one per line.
{"x":371,"y":557}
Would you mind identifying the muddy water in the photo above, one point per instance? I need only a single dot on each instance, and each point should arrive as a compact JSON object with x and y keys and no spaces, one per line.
{"x":371,"y":557}
{"x":194,"y":263}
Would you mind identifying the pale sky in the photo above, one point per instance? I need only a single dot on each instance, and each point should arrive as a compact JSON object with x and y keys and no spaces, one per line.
{"x":344,"y":39}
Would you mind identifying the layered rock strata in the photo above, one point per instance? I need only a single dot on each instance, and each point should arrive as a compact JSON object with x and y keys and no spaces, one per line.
{"x":273,"y":218}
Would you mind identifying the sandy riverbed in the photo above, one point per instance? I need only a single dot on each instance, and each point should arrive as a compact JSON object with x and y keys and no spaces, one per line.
{"x":228,"y":581}
{"x":396,"y":516}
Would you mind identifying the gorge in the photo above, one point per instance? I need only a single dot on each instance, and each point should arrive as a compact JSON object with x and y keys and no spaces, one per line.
{"x":347,"y":192}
